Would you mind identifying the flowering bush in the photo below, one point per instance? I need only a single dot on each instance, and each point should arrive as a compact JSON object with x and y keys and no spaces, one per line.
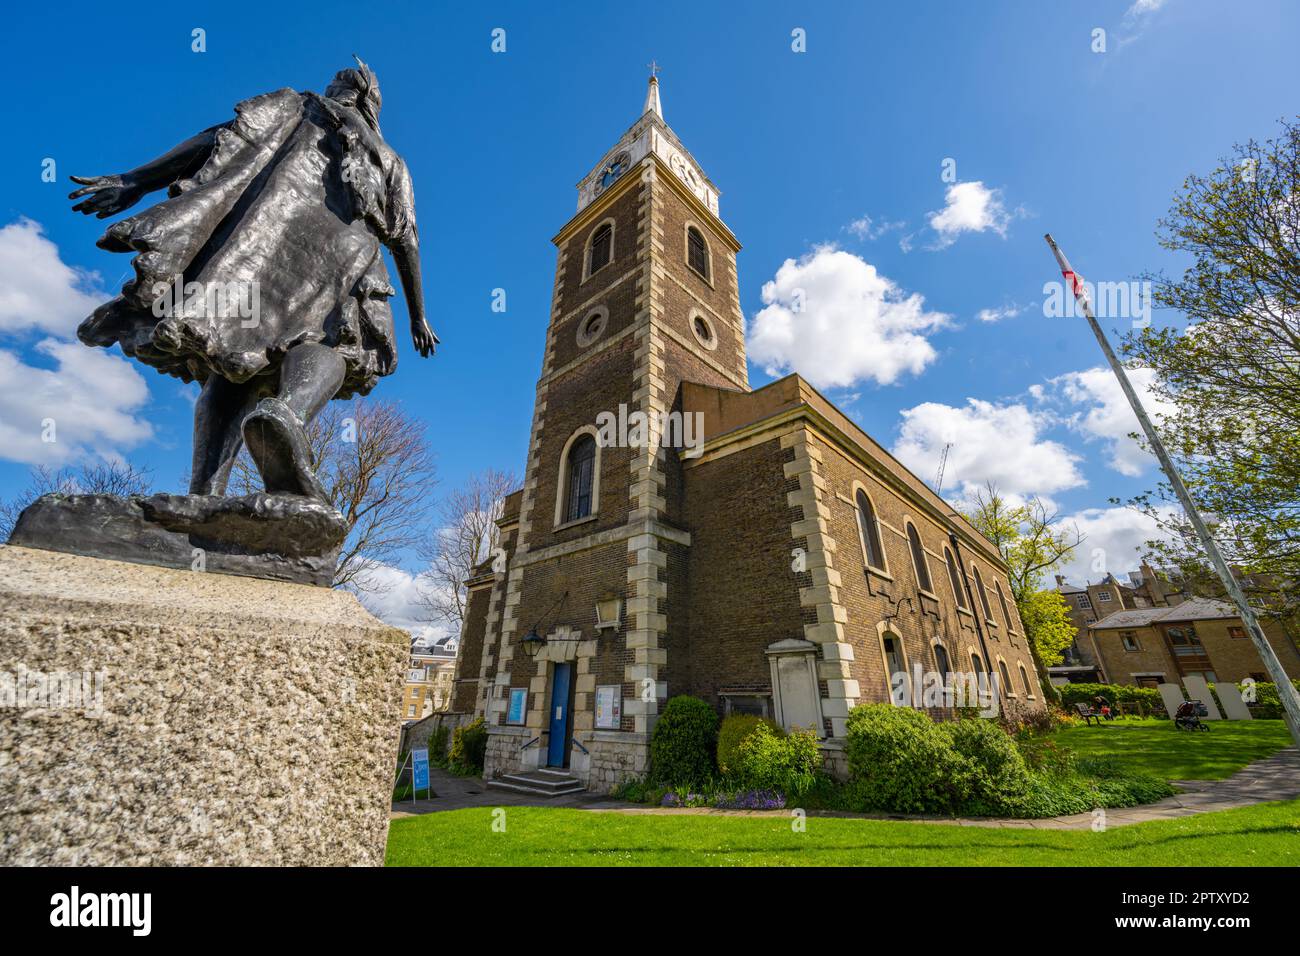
{"x":750,"y":800}
{"x":683,"y":797}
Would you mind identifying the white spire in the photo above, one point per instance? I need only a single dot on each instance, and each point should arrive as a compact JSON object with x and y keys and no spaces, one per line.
{"x":652,"y":104}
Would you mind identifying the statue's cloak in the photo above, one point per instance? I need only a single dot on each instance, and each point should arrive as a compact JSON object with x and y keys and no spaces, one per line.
{"x":289,"y":212}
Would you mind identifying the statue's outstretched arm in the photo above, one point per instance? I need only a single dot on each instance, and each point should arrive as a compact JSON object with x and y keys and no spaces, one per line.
{"x":107,"y":195}
{"x":406,"y":254}
{"x":404,"y":243}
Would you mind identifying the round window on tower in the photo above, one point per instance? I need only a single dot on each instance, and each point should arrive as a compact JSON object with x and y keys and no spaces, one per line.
{"x":592,"y":326}
{"x":703,"y":331}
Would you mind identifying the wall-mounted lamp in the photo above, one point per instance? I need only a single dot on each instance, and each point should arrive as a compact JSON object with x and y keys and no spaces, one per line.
{"x":532,"y":642}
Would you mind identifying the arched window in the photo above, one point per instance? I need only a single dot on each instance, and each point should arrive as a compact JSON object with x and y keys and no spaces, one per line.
{"x":983,"y":596}
{"x":977,"y":663}
{"x":955,"y":579}
{"x":1006,"y":611}
{"x":869,"y":529}
{"x":1024,"y":679}
{"x":918,"y":559}
{"x":941,"y":661}
{"x":582,"y":461}
{"x":1006,"y":677}
{"x":896,"y":676}
{"x":602,"y":248}
{"x":697,"y":251}
{"x":894,"y":659}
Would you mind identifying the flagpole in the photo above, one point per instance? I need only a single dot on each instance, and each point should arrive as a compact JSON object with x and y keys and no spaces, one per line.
{"x":1286,"y":691}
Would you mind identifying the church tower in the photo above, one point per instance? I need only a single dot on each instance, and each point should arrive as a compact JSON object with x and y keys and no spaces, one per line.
{"x":645,"y":298}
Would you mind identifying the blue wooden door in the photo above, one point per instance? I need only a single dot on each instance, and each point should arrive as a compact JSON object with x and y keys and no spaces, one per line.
{"x":558,"y":749}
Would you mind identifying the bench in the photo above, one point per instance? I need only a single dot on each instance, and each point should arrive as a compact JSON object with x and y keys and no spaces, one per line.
{"x":1088,"y":713}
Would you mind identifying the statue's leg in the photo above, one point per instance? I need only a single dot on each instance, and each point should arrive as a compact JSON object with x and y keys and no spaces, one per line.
{"x":309,"y":377}
{"x":275,"y":431}
{"x":218,"y":415}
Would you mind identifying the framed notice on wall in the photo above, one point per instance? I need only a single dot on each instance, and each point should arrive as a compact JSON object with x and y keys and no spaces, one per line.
{"x":609,"y":706}
{"x":518,"y":704}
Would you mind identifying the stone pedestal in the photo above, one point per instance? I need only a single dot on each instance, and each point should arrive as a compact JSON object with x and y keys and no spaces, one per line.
{"x":158,"y":716}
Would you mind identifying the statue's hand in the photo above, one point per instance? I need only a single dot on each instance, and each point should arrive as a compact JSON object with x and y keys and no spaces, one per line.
{"x":425,"y":341}
{"x":107,"y":195}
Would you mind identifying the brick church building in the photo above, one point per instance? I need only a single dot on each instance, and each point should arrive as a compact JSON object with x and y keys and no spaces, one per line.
{"x":765,"y":554}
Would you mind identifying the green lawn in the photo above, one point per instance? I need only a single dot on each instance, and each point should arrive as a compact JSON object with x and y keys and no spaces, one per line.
{"x":1263,"y":835}
{"x":1154,"y":746}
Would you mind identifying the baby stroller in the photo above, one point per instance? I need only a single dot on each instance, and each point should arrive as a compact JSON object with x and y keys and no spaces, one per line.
{"x":1188,"y":716}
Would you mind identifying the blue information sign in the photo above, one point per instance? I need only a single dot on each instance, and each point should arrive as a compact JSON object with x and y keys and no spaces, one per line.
{"x":419,"y":770}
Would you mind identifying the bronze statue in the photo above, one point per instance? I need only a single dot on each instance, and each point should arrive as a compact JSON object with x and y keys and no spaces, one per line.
{"x":288,"y":204}
{"x":260,"y":276}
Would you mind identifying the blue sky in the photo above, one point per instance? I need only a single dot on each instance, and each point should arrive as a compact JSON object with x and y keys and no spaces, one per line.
{"x":832,"y":158}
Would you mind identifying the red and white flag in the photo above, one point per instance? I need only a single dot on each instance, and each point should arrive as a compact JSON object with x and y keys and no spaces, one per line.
{"x":1075,"y":281}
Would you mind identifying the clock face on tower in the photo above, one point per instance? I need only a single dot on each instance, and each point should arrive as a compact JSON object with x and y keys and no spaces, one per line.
{"x":613,"y":169}
{"x":684,"y":172}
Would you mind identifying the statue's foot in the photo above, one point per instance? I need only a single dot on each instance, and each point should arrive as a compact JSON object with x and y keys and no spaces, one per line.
{"x":277,"y":441}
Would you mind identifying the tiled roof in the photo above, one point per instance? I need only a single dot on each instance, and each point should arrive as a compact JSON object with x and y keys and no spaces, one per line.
{"x":1197,"y":609}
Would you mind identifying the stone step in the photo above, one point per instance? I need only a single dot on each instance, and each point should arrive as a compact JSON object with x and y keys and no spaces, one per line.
{"x":545,"y":782}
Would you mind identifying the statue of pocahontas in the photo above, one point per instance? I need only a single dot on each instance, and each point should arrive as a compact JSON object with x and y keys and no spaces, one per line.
{"x":261,"y":275}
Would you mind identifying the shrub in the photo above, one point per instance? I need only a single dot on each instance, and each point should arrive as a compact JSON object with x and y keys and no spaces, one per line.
{"x":683,"y":743}
{"x":770,"y":759}
{"x":1267,"y":704}
{"x":734,"y":729}
{"x":1046,"y":756}
{"x":438,"y":741}
{"x":1072,"y":694}
{"x":469,"y":747}
{"x":903,"y":761}
{"x":994,"y":767}
{"x":751,"y":800}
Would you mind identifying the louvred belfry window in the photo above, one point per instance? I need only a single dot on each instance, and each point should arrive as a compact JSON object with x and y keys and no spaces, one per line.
{"x":602,"y":244}
{"x":697,"y":253}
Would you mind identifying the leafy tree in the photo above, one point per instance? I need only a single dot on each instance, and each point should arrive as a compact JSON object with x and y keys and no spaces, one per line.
{"x":1232,"y":374}
{"x":1029,"y":537}
{"x":1033,"y":543}
{"x":1048,"y":627}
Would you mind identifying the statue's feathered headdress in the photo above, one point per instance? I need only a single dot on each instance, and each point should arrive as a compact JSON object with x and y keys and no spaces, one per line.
{"x":370,"y":99}
{"x":364,"y":86}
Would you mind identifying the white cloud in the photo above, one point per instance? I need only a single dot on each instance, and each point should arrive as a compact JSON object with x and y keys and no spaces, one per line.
{"x":1105,"y":413}
{"x":1137,"y":19}
{"x":1000,"y":313}
{"x":1114,"y":543}
{"x":393,"y":595}
{"x":990,"y":442}
{"x":38,"y":290}
{"x":90,"y":400}
{"x":969,"y":207}
{"x":868,"y":228}
{"x":834,"y":319}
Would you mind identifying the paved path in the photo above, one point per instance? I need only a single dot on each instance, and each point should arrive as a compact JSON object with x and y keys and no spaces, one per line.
{"x":1273,"y":778}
